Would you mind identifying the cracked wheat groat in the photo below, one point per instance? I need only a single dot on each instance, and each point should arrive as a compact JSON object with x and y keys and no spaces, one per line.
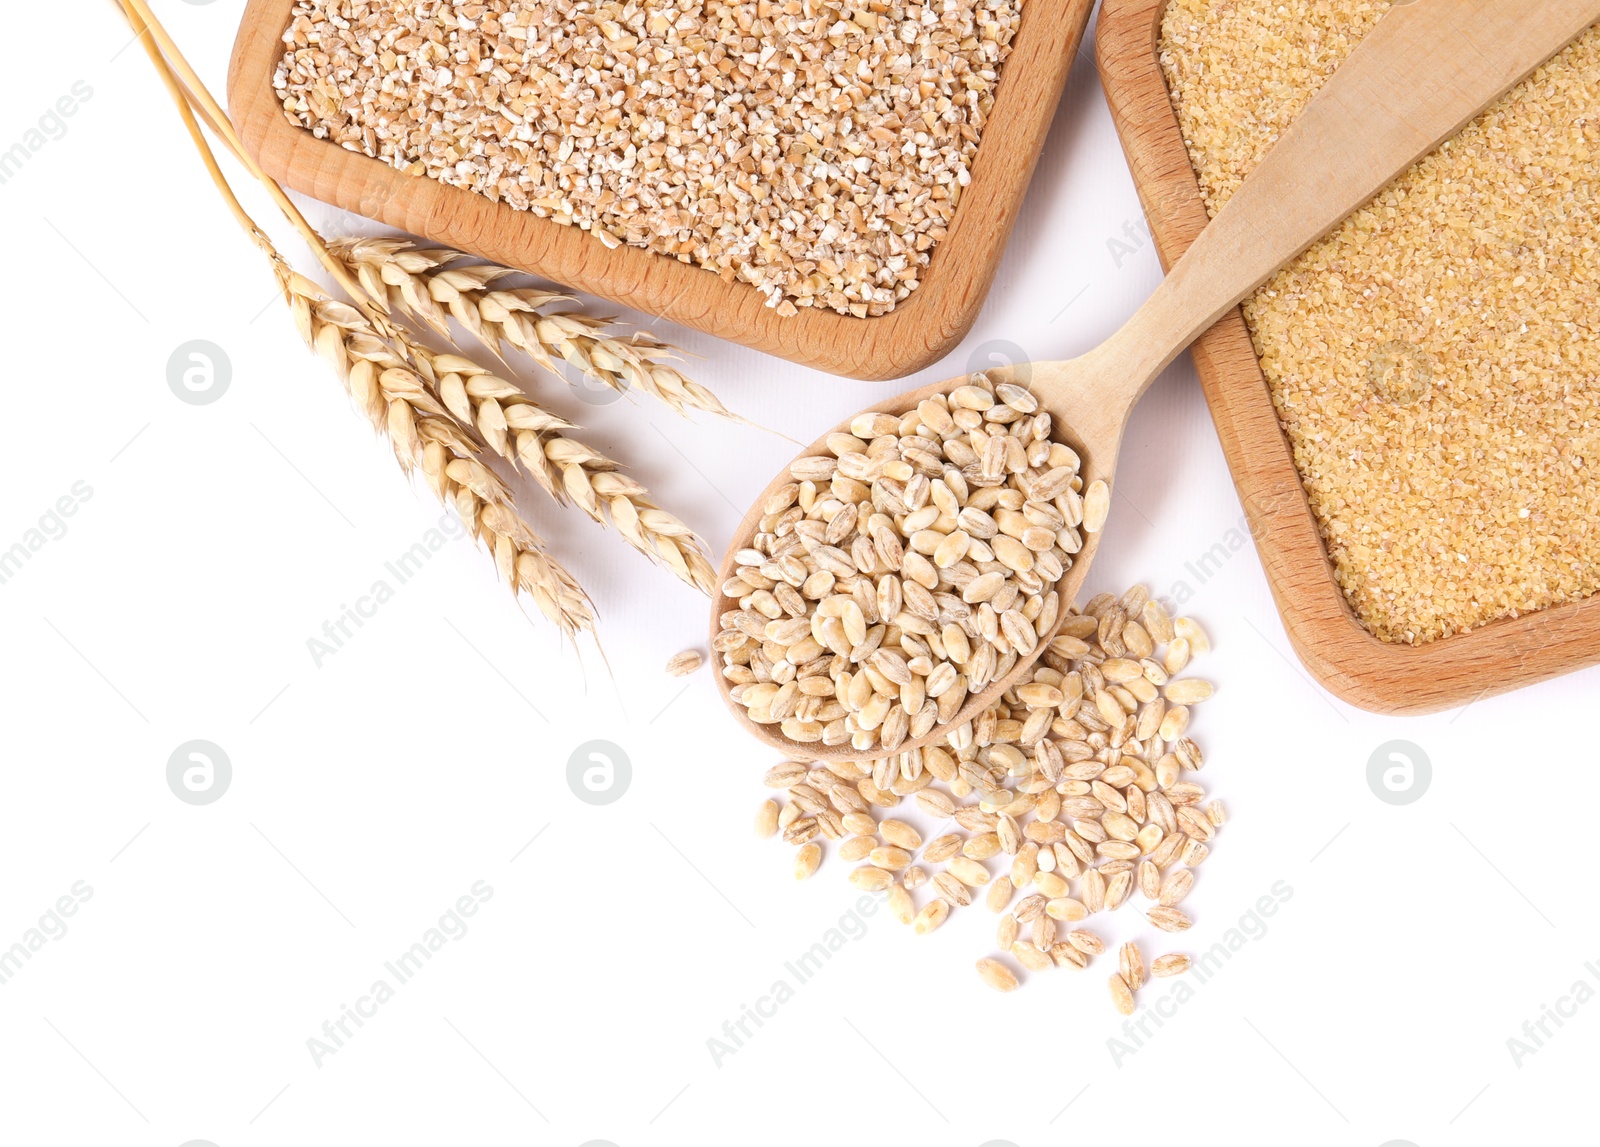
{"x":907,"y":567}
{"x":812,"y":148}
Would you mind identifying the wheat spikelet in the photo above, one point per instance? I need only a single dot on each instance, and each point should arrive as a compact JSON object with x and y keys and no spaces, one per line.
{"x":426,"y":283}
{"x":424,"y":436}
{"x":512,"y":424}
{"x":520,"y":430}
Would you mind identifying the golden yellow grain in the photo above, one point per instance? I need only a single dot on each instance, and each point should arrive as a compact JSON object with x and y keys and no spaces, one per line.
{"x":1435,"y":360}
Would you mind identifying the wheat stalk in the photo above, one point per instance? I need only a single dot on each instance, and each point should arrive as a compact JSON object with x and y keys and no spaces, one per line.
{"x":361,"y":346}
{"x":428,"y":283}
{"x":565,"y":467}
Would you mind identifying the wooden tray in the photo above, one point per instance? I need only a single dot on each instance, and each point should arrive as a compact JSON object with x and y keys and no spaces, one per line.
{"x":922,"y":329}
{"x":1335,"y":647}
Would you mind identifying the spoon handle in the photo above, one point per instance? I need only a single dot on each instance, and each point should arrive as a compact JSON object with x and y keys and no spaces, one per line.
{"x":1425,"y":70}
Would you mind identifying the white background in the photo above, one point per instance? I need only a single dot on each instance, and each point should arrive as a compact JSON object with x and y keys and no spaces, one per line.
{"x":370,"y":793}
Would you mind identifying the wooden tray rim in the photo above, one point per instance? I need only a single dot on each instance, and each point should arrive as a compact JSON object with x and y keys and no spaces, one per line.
{"x":1343,"y":655}
{"x":918,"y":332}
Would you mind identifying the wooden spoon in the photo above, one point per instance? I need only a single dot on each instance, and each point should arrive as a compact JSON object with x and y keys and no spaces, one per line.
{"x":1424,"y":71}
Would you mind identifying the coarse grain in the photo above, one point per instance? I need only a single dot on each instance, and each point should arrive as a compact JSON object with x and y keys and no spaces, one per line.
{"x":1172,"y":964}
{"x":1175,"y":887}
{"x":1149,"y":880}
{"x":807,"y":860}
{"x":1121,"y":995}
{"x":1086,"y":942}
{"x":1130,"y":965}
{"x":948,"y":886}
{"x":1030,"y":957}
{"x":1064,"y":955}
{"x":767,"y":818}
{"x":889,"y":857}
{"x":814,"y":151}
{"x":898,"y":832}
{"x":969,"y":872}
{"x":685,"y":663}
{"x":1435,"y":361}
{"x":999,"y":895}
{"x":1006,"y":931}
{"x":1169,"y":919}
{"x":997,"y":975}
{"x":870,"y":879}
{"x":934,"y":913}
{"x":901,"y":906}
{"x":857,"y":848}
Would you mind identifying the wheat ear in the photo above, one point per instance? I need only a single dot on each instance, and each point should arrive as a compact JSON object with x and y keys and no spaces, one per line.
{"x":421,"y":431}
{"x":562,"y":465}
{"x":428,"y":283}
{"x":423,"y":435}
{"x":522,"y":431}
{"x":513,"y":424}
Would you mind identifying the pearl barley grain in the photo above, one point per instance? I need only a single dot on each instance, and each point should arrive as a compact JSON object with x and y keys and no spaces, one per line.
{"x":997,"y":975}
{"x":685,"y":663}
{"x":1043,"y":804}
{"x":926,"y":594}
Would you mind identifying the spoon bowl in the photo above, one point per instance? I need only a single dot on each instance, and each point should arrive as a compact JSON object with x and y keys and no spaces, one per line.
{"x":1086,"y":417}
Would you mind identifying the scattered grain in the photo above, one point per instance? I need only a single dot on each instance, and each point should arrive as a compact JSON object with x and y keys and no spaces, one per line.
{"x":685,"y":663}
{"x":1172,"y":964}
{"x":1121,"y":995}
{"x":1169,"y":919}
{"x":767,"y":819}
{"x":1087,"y":813}
{"x":1130,"y":965}
{"x":806,"y":860}
{"x":997,"y":975}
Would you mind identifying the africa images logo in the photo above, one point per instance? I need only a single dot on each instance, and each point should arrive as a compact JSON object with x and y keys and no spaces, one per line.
{"x":199,"y":772}
{"x":599,"y":772}
{"x":1399,"y":772}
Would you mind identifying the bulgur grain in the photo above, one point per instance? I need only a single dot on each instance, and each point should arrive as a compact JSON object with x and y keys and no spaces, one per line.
{"x":1435,"y":361}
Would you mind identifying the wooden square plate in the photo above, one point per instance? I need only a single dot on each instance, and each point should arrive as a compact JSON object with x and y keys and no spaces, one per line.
{"x":1335,"y":647}
{"x":919,"y":331}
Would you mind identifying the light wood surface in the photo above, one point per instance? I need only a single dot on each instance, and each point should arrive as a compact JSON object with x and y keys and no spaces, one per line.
{"x":1412,"y":83}
{"x":1338,"y":651}
{"x":919,"y":331}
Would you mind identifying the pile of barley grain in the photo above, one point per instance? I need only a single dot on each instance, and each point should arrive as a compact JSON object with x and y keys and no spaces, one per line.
{"x":1436,"y":360}
{"x":813,"y":149}
{"x":908,"y":566}
{"x":1078,"y":779}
